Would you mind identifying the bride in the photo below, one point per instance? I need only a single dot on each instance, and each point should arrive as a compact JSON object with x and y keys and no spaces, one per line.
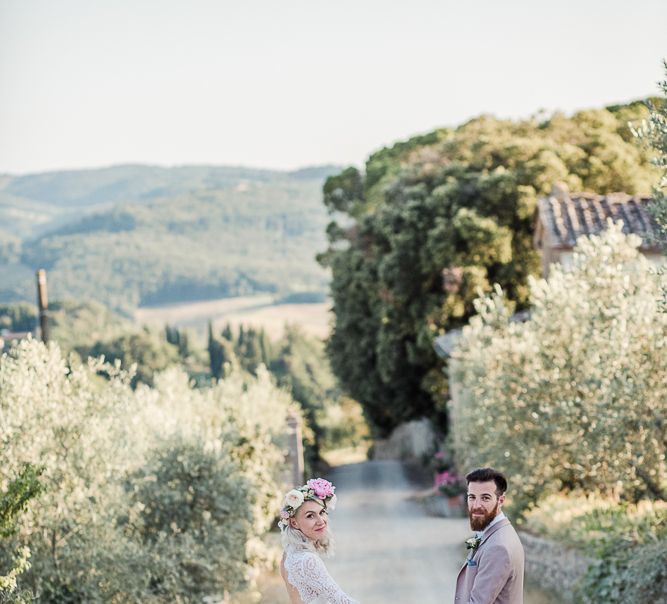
{"x":305,"y":534}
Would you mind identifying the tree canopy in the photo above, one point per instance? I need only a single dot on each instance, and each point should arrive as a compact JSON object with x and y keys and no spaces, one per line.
{"x":440,"y":216}
{"x":299,"y":364}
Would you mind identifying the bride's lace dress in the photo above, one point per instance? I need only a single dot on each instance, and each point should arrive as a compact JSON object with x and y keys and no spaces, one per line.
{"x":306,"y":572}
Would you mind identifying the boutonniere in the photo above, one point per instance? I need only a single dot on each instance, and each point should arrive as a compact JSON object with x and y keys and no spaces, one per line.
{"x":473,"y":543}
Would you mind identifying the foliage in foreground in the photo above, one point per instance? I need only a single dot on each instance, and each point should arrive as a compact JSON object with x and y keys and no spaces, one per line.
{"x":577,"y":395}
{"x":593,"y":523}
{"x":14,"y":497}
{"x":158,"y":494}
{"x":626,"y":544}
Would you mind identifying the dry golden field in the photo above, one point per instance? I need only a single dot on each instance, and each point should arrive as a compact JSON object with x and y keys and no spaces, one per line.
{"x":259,"y":311}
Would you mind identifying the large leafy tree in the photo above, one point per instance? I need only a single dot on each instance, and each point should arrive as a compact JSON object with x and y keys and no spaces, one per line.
{"x":438,"y":217}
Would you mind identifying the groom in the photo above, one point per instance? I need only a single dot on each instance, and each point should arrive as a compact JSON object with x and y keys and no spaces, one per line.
{"x":493,"y":571}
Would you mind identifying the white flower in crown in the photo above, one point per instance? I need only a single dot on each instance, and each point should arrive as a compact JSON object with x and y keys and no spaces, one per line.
{"x":331,"y":504}
{"x":283,"y":523}
{"x":293,"y":499}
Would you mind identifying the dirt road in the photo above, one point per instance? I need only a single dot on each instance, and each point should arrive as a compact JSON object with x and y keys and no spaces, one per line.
{"x":388,"y":548}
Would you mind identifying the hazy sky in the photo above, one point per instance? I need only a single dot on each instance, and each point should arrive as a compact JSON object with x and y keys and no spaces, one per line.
{"x":288,"y":83}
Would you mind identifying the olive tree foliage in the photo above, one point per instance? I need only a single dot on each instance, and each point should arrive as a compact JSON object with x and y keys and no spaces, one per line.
{"x":59,"y":416}
{"x":157,"y":494}
{"x":434,"y":219}
{"x":576,"y":396}
{"x":14,"y":497}
{"x":653,"y":132}
{"x":627,"y":544}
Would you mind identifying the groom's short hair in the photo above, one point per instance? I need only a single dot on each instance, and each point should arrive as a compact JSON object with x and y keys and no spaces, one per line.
{"x":487,"y":474}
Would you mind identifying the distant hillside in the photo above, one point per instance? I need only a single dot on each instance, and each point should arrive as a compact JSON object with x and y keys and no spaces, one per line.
{"x":139,"y":235}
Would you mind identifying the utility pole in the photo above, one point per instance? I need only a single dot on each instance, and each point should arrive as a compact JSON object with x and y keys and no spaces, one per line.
{"x":43,"y":305}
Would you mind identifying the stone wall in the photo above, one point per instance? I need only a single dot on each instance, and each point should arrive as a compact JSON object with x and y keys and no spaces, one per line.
{"x":553,"y":566}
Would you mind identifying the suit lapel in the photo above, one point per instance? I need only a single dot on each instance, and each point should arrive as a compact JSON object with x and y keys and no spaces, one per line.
{"x":498,"y":525}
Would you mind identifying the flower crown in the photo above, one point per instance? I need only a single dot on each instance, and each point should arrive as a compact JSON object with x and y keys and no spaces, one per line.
{"x":314,"y":489}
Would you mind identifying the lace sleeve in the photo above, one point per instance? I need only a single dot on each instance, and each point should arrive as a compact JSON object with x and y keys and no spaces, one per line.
{"x":310,"y":577}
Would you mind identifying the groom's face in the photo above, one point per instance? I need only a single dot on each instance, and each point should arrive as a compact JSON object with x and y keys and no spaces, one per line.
{"x":483,"y":504}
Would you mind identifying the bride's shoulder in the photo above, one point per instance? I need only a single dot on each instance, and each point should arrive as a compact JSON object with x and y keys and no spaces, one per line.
{"x":302,"y":558}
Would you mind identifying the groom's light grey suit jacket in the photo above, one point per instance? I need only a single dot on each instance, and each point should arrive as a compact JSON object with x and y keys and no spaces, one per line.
{"x":494,"y":574}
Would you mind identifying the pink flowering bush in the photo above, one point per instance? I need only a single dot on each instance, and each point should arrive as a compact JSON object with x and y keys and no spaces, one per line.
{"x":450,"y":484}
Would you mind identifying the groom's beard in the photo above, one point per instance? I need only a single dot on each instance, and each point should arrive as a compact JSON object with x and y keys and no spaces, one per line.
{"x":479,"y":523}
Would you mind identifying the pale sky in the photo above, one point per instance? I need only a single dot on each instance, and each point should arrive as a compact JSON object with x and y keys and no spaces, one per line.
{"x":289,"y":83}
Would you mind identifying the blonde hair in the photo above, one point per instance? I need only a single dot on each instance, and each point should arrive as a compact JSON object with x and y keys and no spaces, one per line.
{"x":293,"y":539}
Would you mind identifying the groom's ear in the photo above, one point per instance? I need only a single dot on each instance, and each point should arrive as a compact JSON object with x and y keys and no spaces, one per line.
{"x":501,"y":499}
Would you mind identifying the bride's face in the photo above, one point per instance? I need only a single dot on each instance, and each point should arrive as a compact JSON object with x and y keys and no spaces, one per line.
{"x":312,"y":520}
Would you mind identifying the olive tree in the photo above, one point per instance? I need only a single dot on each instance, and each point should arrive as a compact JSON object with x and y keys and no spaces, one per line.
{"x":154,"y":494}
{"x":576,"y":396}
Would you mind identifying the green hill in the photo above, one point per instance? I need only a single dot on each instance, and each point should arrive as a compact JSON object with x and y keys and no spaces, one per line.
{"x":136,"y":235}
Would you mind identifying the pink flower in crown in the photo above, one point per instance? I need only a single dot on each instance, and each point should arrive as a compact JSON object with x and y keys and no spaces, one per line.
{"x":322,"y":488}
{"x":284,"y":514}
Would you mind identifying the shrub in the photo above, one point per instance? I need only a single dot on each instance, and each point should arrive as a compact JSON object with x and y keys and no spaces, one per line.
{"x":645,"y":576}
{"x":124,"y":465}
{"x":627,"y":574}
{"x":627,"y":543}
{"x":594,"y":523}
{"x":65,"y":418}
{"x":577,"y":395}
{"x":145,"y":349}
{"x":13,"y":500}
{"x":190,"y":511}
{"x":19,"y":316}
{"x":342,"y":424}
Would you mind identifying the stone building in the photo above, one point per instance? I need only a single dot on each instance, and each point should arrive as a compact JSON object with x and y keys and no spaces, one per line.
{"x":562,"y":217}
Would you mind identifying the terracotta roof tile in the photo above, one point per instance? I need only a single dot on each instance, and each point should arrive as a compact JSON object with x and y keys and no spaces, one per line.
{"x":569,"y":217}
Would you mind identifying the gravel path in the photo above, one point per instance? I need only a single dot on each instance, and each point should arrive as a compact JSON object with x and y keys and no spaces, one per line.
{"x":388,"y":548}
